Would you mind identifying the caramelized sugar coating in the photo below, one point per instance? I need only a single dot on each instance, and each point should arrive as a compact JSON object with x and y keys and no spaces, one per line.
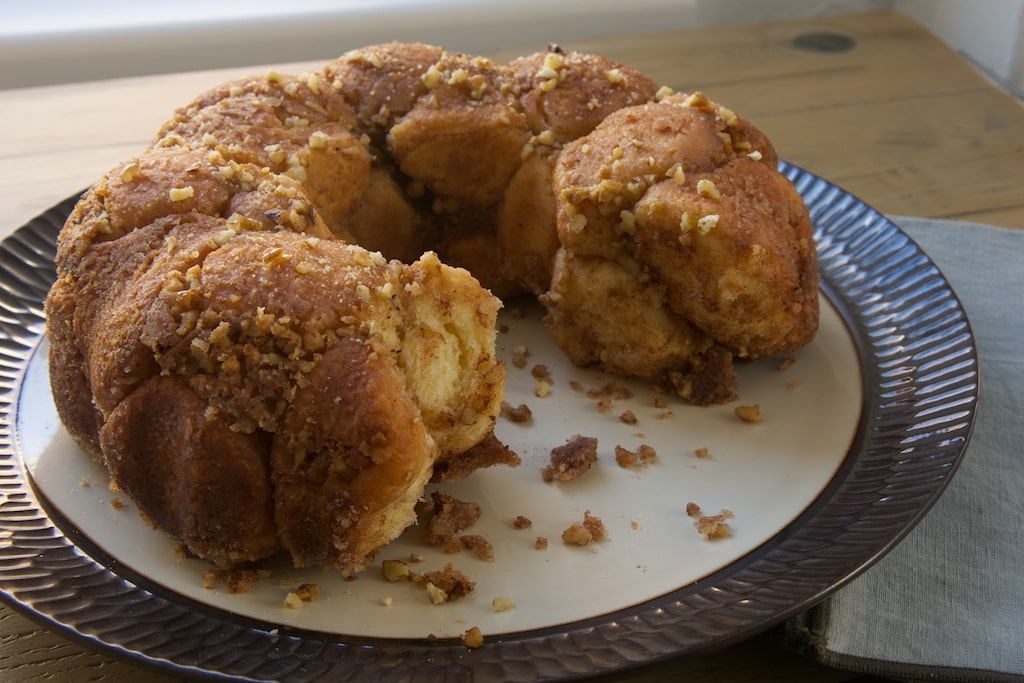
{"x":237,"y":377}
{"x":675,"y":211}
{"x":259,"y":383}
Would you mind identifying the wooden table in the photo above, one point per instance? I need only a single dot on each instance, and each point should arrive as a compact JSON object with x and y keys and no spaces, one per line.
{"x":872,"y":102}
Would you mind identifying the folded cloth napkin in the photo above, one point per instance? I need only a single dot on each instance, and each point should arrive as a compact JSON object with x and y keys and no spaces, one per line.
{"x":947,"y":603}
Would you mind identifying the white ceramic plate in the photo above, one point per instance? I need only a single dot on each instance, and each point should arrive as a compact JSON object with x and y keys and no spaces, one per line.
{"x":859,"y":436}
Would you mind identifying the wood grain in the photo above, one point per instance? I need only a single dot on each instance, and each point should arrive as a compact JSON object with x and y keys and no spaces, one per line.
{"x":898,"y":119}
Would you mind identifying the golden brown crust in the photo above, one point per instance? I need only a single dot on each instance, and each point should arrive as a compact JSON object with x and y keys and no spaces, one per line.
{"x":293,"y":125}
{"x":315,"y":386}
{"x":190,"y":473}
{"x":350,"y":460}
{"x":248,"y":323}
{"x":382,"y":82}
{"x":570,"y":93}
{"x":676,"y":211}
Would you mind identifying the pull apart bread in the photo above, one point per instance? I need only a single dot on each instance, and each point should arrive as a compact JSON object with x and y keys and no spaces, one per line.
{"x":255,"y":330}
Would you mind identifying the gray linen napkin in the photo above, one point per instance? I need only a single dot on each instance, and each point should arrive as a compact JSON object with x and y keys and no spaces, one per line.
{"x":947,"y":603}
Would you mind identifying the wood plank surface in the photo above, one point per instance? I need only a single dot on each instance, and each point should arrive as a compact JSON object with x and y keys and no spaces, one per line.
{"x":871,"y":102}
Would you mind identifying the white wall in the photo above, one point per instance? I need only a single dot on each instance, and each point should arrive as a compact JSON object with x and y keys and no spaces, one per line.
{"x":53,"y":41}
{"x":989,"y":32}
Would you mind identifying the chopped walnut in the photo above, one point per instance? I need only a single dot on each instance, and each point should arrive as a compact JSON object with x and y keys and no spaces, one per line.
{"x":710,"y":526}
{"x":714,"y":526}
{"x":437,"y":595}
{"x":178,"y":194}
{"x":308,"y":592}
{"x":572,"y":459}
{"x":541,"y":543}
{"x":706,"y":223}
{"x":473,"y":638}
{"x":519,"y":355}
{"x":629,"y":417}
{"x":130,"y":172}
{"x":749,"y":413}
{"x":702,"y":453}
{"x":577,"y":534}
{"x":590,"y":531}
{"x":706,"y":188}
{"x":502,"y":604}
{"x":449,"y":581}
{"x":395,"y":570}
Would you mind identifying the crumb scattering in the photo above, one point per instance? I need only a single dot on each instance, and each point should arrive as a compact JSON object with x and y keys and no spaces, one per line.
{"x":591,"y":530}
{"x":450,"y":516}
{"x":572,"y":459}
{"x":644,"y":455}
{"x":307,"y":592}
{"x":712,"y":527}
{"x":518,"y":414}
{"x":445,"y":584}
{"x":480,"y":546}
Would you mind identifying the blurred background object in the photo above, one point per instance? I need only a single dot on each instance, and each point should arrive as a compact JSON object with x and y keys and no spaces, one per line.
{"x":61,"y":41}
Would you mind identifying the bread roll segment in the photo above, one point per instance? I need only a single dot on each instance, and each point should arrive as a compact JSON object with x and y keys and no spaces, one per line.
{"x":277,"y":323}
